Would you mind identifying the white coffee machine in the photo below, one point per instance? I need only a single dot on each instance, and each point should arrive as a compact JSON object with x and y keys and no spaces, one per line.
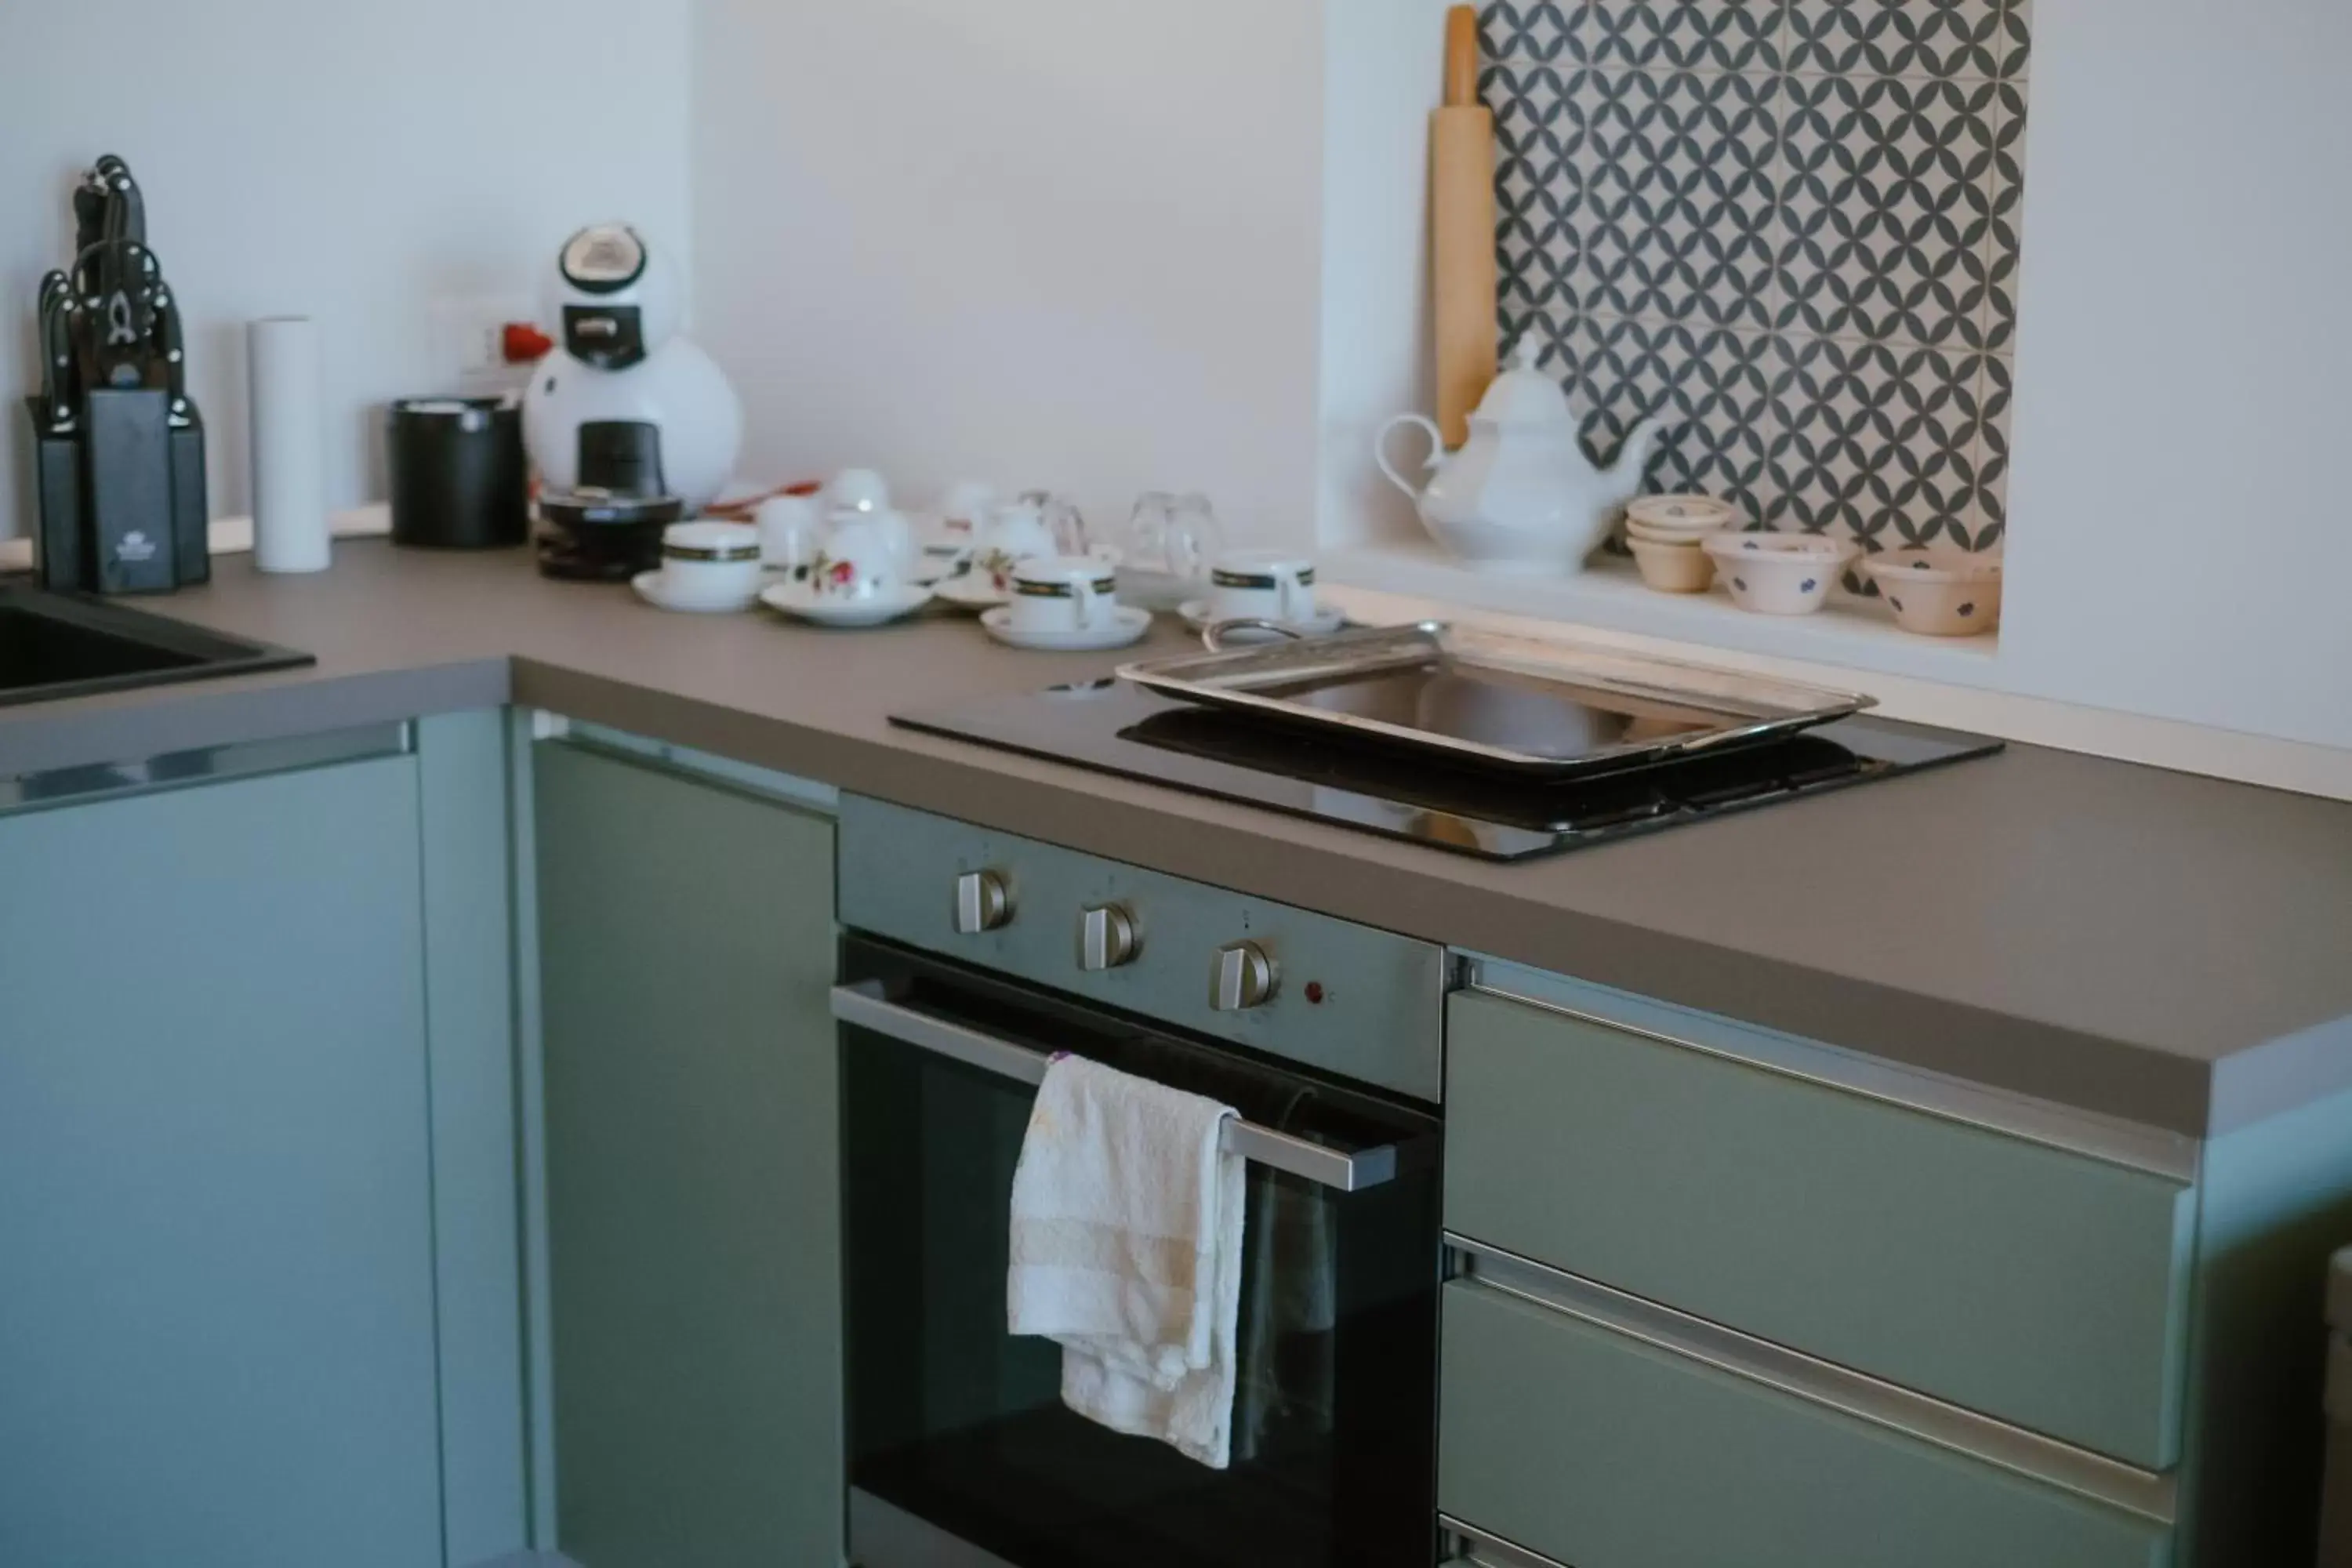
{"x":631,"y":424}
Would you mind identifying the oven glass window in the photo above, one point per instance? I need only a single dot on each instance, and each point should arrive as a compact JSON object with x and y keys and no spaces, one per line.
{"x":954,"y":1421}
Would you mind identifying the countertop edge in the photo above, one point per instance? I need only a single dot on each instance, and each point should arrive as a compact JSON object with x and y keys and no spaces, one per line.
{"x":163,"y":719}
{"x":2073,"y":1068}
{"x":1263,"y":854}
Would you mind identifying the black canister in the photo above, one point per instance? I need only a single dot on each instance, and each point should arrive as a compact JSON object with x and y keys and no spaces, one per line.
{"x":457,"y":473}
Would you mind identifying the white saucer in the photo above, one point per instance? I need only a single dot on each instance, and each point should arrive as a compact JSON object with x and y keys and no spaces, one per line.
{"x":801,"y":602}
{"x":1127,"y":625}
{"x":649,"y":585}
{"x":971,"y":591}
{"x":1200,"y":617}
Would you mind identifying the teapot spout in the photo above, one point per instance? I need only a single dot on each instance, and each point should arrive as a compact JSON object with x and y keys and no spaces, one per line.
{"x":1633,"y":458}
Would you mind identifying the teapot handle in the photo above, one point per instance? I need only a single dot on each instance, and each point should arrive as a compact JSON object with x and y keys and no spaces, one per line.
{"x":1381,"y":455}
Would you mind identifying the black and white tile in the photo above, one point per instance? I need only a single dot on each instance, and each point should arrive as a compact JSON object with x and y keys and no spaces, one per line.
{"x":1885,"y":208}
{"x":1875,"y":440}
{"x":1937,"y":38}
{"x":1711,"y":386}
{"x":1790,"y":226}
{"x":1689,"y":35}
{"x":2004,"y":200}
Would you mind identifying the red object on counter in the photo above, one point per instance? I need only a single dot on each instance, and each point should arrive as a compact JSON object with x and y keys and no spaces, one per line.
{"x":743,"y":506}
{"x":523,"y":343}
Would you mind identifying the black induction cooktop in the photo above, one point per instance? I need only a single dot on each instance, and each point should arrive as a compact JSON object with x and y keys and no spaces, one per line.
{"x":1116,"y":728}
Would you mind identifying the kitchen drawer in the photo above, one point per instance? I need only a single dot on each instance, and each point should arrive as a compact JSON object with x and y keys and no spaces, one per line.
{"x":1595,"y":1448}
{"x":2046,"y":1288}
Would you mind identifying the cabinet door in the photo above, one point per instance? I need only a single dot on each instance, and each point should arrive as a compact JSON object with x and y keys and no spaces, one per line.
{"x":216,"y":1315}
{"x":687,"y":948}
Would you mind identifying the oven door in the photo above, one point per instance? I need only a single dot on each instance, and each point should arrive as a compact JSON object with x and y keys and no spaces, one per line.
{"x":960,"y":1449}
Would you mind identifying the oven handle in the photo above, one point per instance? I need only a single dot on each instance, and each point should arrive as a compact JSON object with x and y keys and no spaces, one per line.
{"x":865,"y":1006}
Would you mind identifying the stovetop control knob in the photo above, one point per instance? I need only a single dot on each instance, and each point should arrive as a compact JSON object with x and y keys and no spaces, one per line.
{"x":982,"y":902}
{"x":1106,"y":939}
{"x":1244,"y":978}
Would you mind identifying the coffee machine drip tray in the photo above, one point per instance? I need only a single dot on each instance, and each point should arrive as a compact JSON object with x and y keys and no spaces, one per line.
{"x":1117,"y":728}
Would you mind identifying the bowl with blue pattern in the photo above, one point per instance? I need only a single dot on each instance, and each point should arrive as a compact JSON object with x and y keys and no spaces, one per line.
{"x":1778,"y":573}
{"x":1937,"y":591}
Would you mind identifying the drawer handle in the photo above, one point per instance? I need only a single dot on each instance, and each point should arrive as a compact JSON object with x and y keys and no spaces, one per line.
{"x":1824,"y":1383}
{"x":1474,"y":1546}
{"x":864,"y":1006}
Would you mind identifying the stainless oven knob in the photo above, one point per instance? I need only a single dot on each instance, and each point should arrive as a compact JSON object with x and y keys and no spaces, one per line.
{"x":1106,"y":939}
{"x":1244,"y":978}
{"x":982,"y":902}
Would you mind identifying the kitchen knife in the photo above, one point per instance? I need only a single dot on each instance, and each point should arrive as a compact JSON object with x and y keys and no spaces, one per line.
{"x":58,"y":396}
{"x":1462,"y":232}
{"x":126,"y":209}
{"x":168,"y":342}
{"x":117,"y":321}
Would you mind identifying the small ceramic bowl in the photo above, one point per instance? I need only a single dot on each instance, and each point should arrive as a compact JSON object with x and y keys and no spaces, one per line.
{"x":1679,"y":519}
{"x":1778,"y":573}
{"x":1672,"y":568}
{"x":1939,"y":593}
{"x":1640,"y":530}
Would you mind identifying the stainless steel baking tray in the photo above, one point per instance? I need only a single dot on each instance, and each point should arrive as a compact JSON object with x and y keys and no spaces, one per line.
{"x":1496,"y":700}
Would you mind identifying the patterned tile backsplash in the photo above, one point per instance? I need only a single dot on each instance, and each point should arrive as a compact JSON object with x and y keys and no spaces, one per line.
{"x":1791,"y":224}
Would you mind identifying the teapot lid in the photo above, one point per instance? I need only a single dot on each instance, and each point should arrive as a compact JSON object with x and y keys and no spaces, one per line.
{"x":1523,"y":394}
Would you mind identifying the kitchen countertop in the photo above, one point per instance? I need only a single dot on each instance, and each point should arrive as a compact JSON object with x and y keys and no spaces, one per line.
{"x":2157,"y":947}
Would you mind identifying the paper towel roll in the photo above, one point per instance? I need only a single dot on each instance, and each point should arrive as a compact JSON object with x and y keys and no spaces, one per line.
{"x":290,"y":439}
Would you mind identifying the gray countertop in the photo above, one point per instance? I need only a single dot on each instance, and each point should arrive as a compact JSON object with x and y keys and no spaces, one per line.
{"x":2153,"y":946}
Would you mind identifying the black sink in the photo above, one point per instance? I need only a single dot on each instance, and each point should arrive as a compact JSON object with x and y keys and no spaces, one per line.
{"x":65,"y":645}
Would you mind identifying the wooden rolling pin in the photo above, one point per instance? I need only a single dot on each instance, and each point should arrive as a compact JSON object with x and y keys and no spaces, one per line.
{"x":1462,"y":232}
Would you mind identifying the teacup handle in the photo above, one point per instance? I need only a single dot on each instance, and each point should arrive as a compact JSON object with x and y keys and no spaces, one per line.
{"x":1212,"y":636}
{"x":1297,"y":602}
{"x":1380,"y":454}
{"x":1089,"y":604}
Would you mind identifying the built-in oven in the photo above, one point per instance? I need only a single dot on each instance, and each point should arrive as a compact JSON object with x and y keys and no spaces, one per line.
{"x":960,"y":1449}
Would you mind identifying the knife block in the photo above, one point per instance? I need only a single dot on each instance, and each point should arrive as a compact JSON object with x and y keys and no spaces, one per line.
{"x":123,"y":496}
{"x":56,"y":493}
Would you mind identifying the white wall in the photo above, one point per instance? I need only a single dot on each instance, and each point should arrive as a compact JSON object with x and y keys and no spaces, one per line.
{"x":1042,"y":242}
{"x":353,"y":163}
{"x":2182,"y":538}
{"x":1382,"y":75}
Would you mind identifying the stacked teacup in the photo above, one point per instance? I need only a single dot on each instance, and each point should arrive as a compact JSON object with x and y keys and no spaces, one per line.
{"x":1667,"y":535}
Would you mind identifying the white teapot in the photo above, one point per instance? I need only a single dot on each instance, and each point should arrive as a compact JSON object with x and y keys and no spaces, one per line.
{"x":1520,"y":497}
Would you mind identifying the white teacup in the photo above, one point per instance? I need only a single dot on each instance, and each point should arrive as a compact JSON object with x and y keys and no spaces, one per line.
{"x":894,"y":529}
{"x":860,"y":559}
{"x":966,"y":506}
{"x":792,"y":531}
{"x":1062,"y":594}
{"x":1011,"y":534}
{"x":857,"y":489}
{"x":1064,"y":519}
{"x":1262,"y":586}
{"x":710,"y":562}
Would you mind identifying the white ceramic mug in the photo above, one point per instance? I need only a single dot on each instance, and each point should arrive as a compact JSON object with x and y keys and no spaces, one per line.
{"x":892,"y":527}
{"x":710,"y":562}
{"x":857,"y":489}
{"x":1262,"y":586}
{"x":791,"y":533}
{"x":859,"y":559}
{"x":966,"y":505}
{"x":1062,"y":594}
{"x":1063,"y":518}
{"x":1011,"y":533}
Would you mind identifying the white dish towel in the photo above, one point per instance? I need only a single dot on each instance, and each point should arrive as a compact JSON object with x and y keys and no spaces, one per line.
{"x":1127,"y":1251}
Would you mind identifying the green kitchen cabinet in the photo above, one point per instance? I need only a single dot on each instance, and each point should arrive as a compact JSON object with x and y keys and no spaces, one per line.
{"x":1598,"y":1449}
{"x":686,"y":944}
{"x":229,"y":1300}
